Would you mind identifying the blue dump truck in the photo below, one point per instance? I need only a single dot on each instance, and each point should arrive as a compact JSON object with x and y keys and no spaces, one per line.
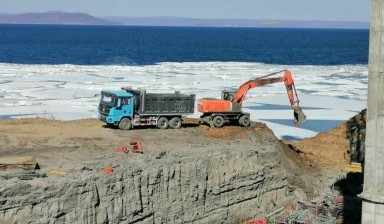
{"x":127,"y":108}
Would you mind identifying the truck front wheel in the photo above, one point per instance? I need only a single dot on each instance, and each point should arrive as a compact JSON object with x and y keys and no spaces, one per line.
{"x":175,"y":123}
{"x":162,"y":123}
{"x":125,"y":124}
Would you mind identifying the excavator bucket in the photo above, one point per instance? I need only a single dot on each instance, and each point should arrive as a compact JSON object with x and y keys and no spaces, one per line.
{"x":299,"y":116}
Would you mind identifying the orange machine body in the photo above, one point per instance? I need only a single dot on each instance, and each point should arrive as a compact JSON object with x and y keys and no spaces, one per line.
{"x":214,"y":105}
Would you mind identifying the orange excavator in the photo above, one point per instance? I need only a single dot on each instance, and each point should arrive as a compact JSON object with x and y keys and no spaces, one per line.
{"x":217,"y":112}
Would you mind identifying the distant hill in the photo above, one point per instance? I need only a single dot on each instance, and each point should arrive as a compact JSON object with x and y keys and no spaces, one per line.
{"x":179,"y":21}
{"x":54,"y":18}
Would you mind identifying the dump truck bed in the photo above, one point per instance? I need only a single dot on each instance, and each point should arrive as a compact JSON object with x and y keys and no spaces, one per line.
{"x":163,"y":103}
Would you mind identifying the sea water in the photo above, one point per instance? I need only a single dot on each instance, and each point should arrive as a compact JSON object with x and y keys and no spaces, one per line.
{"x":129,"y":45}
{"x":58,"y":72}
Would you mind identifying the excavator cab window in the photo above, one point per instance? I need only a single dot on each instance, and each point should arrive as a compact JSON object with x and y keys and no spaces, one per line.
{"x":227,"y":94}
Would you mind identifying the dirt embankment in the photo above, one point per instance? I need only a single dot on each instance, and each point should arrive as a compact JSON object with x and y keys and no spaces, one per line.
{"x":326,"y":151}
{"x":331,"y":151}
{"x":228,"y":174}
{"x":193,"y":174}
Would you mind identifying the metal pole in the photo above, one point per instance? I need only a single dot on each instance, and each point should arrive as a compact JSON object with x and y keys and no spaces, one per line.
{"x":373,"y":191}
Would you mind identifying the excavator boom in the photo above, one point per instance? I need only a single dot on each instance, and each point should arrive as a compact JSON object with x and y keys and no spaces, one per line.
{"x":299,"y":116}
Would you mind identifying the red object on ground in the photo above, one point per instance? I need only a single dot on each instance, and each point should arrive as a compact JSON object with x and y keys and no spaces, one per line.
{"x":339,"y":199}
{"x":136,"y":147}
{"x":256,"y":221}
{"x":107,"y":170}
{"x":122,"y":149}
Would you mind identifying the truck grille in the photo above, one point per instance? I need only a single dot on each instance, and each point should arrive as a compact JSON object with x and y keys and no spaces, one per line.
{"x":103,"y":110}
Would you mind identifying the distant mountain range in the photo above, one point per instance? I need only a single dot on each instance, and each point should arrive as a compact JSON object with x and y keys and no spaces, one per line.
{"x":55,"y":17}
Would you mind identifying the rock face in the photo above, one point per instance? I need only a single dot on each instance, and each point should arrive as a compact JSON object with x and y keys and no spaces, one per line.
{"x":356,"y":126}
{"x":220,"y":188}
{"x":206,"y":181}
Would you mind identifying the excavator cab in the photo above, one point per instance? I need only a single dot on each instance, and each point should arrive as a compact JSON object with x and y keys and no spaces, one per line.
{"x":228,"y":94}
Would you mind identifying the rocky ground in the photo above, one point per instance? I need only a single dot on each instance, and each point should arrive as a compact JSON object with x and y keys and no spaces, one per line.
{"x":78,"y":147}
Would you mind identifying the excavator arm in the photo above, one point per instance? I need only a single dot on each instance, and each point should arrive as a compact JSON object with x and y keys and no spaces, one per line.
{"x":239,"y":96}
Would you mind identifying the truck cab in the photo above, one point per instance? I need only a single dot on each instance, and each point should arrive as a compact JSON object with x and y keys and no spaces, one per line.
{"x":127,"y":108}
{"x":116,"y":105}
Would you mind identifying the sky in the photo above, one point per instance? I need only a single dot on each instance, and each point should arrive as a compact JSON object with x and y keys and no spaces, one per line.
{"x":326,"y":10}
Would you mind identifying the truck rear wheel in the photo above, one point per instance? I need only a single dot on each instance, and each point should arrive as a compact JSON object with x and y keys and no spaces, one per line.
{"x":244,"y":121}
{"x":218,"y":121}
{"x":162,"y":123}
{"x":125,"y":124}
{"x":175,"y":123}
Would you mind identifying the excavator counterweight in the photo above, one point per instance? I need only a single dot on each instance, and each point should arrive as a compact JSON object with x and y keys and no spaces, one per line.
{"x":216,"y":112}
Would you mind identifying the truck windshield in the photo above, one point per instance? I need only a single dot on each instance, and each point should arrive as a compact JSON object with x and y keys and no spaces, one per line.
{"x":108,"y":100}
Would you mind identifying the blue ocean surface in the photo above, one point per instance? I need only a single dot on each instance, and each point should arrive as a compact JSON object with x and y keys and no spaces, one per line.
{"x":129,"y":45}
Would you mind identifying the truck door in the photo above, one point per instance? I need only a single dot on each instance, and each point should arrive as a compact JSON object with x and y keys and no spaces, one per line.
{"x":127,"y":106}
